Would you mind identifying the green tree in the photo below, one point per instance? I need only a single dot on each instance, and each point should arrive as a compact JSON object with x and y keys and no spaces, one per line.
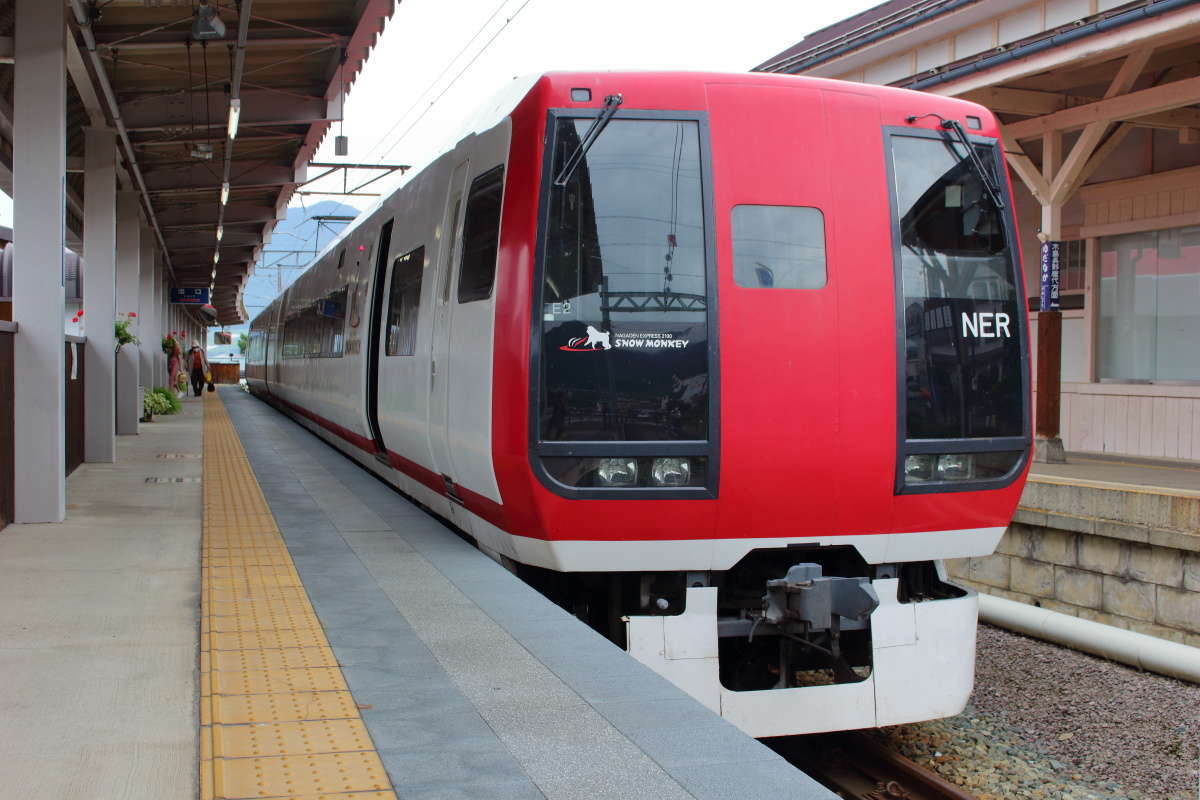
{"x":243,"y":342}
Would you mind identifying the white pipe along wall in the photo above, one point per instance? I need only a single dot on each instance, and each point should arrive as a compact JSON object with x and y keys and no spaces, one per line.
{"x":1128,"y":647}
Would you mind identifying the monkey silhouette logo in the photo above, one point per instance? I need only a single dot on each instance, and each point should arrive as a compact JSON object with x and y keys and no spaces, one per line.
{"x":588,"y":343}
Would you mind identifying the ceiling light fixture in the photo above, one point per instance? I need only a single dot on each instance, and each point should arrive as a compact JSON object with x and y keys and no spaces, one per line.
{"x":216,"y":257}
{"x":224,"y":192}
{"x":208,"y":24}
{"x":235,"y":111}
{"x":220,"y":232}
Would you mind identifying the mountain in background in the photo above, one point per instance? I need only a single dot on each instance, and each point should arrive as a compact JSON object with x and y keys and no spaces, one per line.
{"x":296,"y":241}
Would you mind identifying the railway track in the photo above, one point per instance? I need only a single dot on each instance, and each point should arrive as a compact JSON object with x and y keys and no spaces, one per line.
{"x":858,"y":767}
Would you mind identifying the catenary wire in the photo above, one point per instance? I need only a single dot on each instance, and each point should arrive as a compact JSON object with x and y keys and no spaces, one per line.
{"x":434,"y":82}
{"x":454,"y":80}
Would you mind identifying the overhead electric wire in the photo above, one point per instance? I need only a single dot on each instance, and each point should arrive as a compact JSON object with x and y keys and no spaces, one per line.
{"x":441,"y":75}
{"x":454,"y":80}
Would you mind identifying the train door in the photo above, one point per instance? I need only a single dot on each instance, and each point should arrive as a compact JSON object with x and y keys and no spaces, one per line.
{"x":779,"y":307}
{"x":275,"y":343}
{"x":375,"y":335}
{"x":440,"y":340}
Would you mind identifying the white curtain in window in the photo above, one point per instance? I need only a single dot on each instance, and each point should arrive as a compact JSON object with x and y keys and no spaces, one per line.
{"x":1150,"y":306}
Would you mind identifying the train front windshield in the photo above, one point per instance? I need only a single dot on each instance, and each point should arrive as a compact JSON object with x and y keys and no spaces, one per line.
{"x":962,"y":362}
{"x":624,"y":294}
{"x":623,"y":401}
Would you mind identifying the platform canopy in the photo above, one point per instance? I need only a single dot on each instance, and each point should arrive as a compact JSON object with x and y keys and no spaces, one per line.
{"x":172,"y":76}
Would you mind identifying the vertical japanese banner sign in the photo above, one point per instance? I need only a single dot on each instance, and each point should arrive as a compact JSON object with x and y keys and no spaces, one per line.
{"x":1051,"y":271}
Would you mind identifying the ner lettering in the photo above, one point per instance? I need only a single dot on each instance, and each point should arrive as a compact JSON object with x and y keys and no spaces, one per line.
{"x":986,"y":325}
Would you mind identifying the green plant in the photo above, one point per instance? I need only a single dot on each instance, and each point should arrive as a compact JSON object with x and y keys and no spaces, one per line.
{"x":243,"y":342}
{"x":168,"y":343}
{"x":123,"y":335}
{"x":155,"y":403}
{"x":173,"y":404}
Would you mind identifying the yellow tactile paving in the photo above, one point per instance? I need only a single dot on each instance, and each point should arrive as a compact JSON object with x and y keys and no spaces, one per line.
{"x":276,"y":718}
{"x":290,"y":738}
{"x":266,"y":640}
{"x":243,"y":709}
{"x":323,"y":772}
{"x":256,"y":618}
{"x":291,"y":658}
{"x":275,"y":681}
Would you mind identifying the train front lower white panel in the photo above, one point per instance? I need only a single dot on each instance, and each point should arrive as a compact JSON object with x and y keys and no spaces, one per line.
{"x":721,"y":554}
{"x":923,"y":655}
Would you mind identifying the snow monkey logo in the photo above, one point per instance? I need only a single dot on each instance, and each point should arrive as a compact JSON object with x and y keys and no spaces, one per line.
{"x":586,"y":343}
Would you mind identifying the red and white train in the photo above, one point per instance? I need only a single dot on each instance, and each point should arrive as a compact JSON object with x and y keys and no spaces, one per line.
{"x":725,"y":364}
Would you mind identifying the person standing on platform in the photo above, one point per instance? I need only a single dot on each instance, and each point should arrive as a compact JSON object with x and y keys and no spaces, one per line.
{"x":174,"y":365}
{"x":198,"y":363}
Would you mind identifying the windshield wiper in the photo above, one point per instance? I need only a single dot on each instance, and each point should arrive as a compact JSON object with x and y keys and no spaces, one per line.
{"x":606,"y":114}
{"x":986,"y":178}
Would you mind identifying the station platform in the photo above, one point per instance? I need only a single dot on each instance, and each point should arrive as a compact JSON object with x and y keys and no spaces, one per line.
{"x":350,"y":645}
{"x":98,"y":628}
{"x":1117,"y":471}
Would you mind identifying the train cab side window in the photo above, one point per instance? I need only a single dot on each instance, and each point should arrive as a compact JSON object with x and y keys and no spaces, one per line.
{"x":481,"y":237}
{"x":779,"y":247}
{"x":404,"y":302}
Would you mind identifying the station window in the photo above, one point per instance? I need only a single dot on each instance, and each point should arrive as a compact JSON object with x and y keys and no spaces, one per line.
{"x":1149,"y":322}
{"x":481,"y":237}
{"x":779,"y":247}
{"x":404,"y":302}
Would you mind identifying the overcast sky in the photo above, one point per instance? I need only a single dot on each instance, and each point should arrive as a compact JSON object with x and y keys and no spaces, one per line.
{"x":437,"y":61}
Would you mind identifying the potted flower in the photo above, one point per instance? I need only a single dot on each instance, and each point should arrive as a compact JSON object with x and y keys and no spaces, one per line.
{"x":123,"y":334}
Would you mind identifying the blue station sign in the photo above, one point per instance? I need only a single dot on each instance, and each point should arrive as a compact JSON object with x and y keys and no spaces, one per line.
{"x":190,"y":297}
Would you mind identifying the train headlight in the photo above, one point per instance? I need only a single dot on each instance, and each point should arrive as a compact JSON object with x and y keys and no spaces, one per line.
{"x":918,"y":468}
{"x":671,"y":472}
{"x":955,"y":467}
{"x":617,"y":472}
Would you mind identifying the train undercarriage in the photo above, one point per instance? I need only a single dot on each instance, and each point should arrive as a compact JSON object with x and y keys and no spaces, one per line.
{"x":794,"y":640}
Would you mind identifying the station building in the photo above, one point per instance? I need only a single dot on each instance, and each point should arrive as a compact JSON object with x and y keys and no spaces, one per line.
{"x":150,"y":149}
{"x":1098,"y":100}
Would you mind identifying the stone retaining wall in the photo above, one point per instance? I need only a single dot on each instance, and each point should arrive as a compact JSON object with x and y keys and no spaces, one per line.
{"x":1123,"y":557}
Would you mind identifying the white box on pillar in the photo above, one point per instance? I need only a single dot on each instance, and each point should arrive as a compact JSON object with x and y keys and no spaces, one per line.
{"x":39,"y":180}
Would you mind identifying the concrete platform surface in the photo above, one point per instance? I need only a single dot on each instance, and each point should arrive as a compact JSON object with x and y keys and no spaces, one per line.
{"x":1167,"y":476}
{"x":471,"y":684}
{"x":98,"y":630}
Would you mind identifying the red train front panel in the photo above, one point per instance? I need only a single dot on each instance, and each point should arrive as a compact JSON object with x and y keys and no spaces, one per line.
{"x":653,"y":314}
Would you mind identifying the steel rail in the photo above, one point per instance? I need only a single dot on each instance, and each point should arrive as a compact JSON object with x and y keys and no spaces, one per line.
{"x":858,"y":767}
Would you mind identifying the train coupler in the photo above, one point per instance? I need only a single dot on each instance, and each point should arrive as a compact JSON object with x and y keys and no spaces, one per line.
{"x":819,"y":602}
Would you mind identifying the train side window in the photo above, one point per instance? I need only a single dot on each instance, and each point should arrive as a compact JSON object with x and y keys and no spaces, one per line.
{"x":404,"y":302}
{"x":331,"y":311}
{"x":481,"y":237}
{"x":779,"y":247}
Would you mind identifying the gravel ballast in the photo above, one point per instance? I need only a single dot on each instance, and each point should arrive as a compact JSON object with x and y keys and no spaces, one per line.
{"x":1049,"y":723}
